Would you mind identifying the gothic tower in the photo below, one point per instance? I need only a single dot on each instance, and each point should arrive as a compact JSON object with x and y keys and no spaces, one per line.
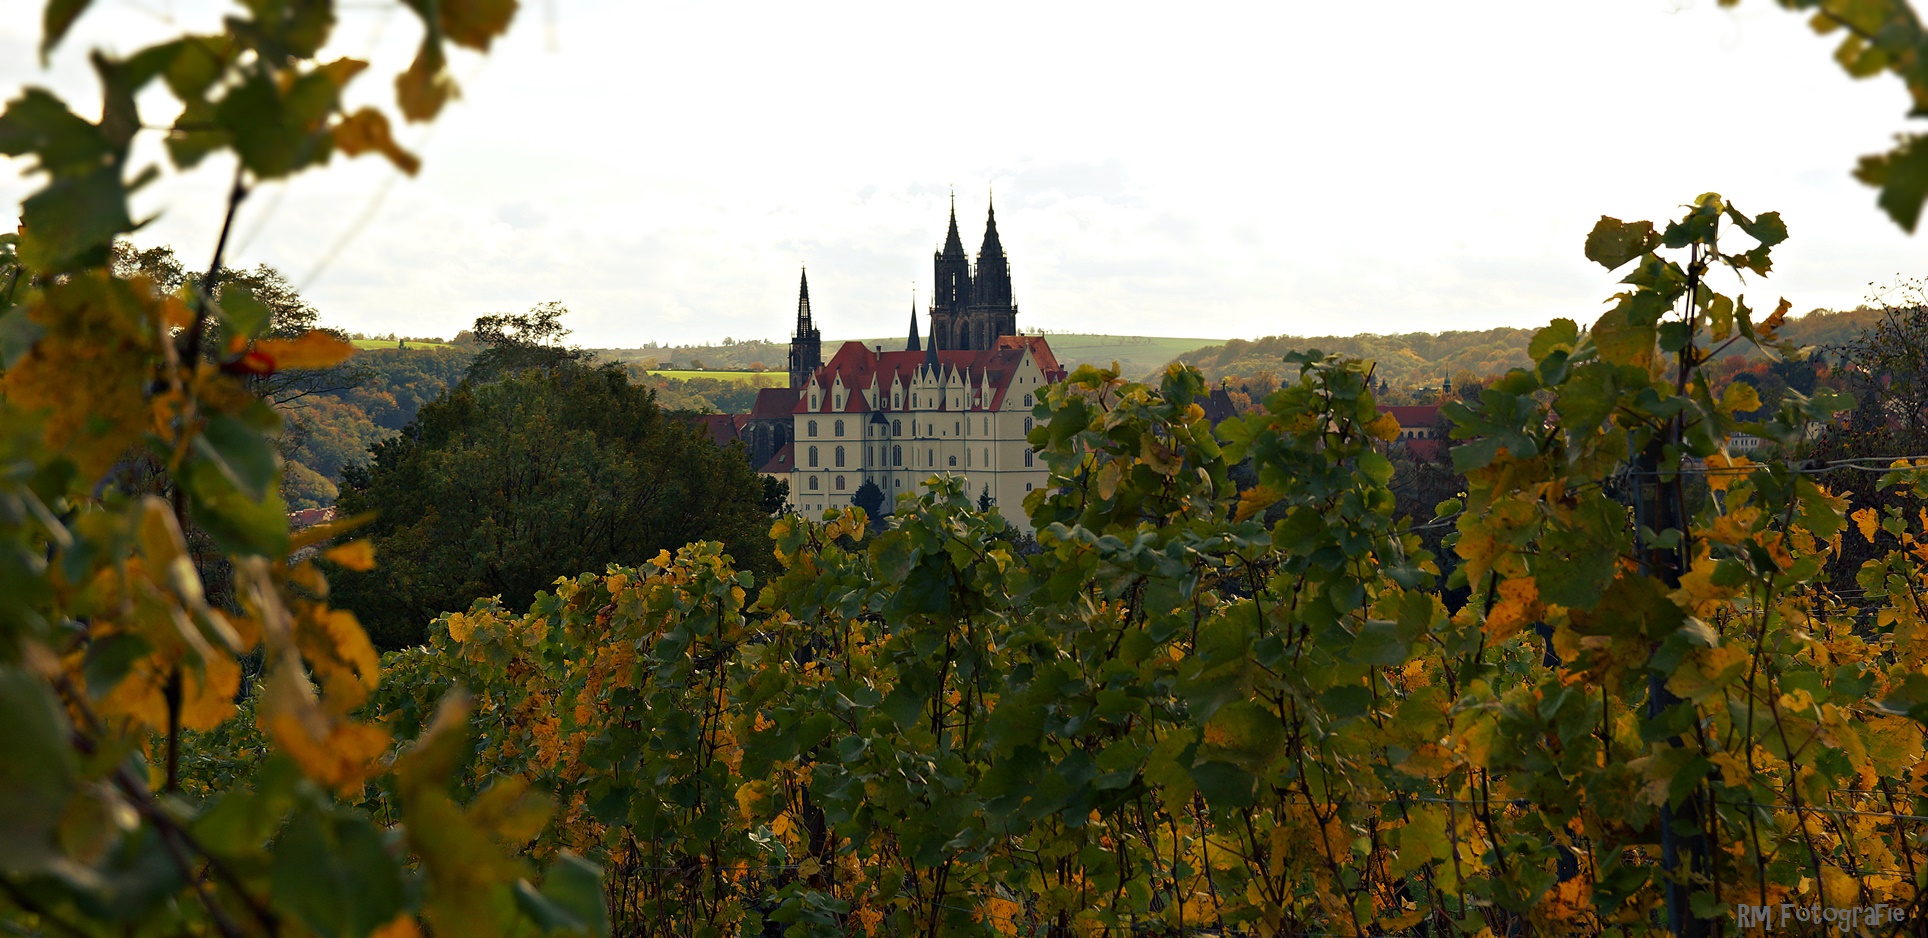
{"x":952,"y":293}
{"x":806,"y":346}
{"x":993,"y":311}
{"x":971,"y":309}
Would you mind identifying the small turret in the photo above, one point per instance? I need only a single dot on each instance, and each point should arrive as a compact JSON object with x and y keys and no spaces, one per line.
{"x":913,"y":345}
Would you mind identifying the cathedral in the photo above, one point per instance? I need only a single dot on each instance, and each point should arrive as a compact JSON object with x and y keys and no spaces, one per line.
{"x":956,"y":401}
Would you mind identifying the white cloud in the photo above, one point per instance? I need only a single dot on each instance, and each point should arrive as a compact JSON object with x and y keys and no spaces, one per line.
{"x":1229,"y":170}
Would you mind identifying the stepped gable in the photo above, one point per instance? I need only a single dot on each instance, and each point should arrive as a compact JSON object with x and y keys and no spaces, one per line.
{"x":859,"y":365}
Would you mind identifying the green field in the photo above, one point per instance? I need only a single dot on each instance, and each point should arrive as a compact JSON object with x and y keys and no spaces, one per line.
{"x":384,"y":343}
{"x":763,"y":379}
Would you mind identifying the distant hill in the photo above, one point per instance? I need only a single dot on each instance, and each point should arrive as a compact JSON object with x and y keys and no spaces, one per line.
{"x":1418,"y":359}
{"x":1136,"y":355}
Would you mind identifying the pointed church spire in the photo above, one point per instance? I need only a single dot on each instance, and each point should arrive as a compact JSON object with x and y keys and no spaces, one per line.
{"x":992,"y":246}
{"x":913,"y":345}
{"x":953,"y":243}
{"x":930,"y":350}
{"x":803,"y":303}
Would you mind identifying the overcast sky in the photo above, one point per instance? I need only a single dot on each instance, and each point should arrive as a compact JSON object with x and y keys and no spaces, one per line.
{"x":664,"y":169}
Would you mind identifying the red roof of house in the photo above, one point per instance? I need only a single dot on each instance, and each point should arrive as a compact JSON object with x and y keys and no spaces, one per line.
{"x":774,"y":404}
{"x":721,"y":427}
{"x":858,"y":364}
{"x":1414,"y":415}
{"x":784,"y":460}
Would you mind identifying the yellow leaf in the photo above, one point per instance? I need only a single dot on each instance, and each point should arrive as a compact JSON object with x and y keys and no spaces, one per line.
{"x":402,"y":926}
{"x":367,"y":130}
{"x":1868,"y":521}
{"x":1739,"y":397}
{"x":473,"y":23}
{"x":355,"y":555}
{"x":1253,"y":501}
{"x":426,"y":86}
{"x":337,"y":649}
{"x":316,"y":349}
{"x":1722,"y":470}
{"x":1106,"y":481}
{"x":1386,"y":427}
{"x":1519,"y":603}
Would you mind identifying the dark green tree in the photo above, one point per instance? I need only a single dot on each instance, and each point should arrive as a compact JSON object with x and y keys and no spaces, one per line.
{"x":776,"y":494}
{"x":499,"y":488}
{"x":514,"y":342}
{"x":984,"y":501}
{"x":870,"y":498}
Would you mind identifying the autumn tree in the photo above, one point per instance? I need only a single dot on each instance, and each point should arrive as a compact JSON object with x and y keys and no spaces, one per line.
{"x":502,"y":486}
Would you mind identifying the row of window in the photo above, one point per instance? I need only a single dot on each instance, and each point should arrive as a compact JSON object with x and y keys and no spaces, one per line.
{"x":899,"y":483}
{"x":897,"y":457}
{"x":897,"y":426}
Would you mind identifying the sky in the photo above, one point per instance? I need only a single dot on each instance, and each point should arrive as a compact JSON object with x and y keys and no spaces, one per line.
{"x":1209,"y":170}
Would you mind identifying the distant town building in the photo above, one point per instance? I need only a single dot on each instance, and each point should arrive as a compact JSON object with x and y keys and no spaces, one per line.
{"x":1418,"y":429}
{"x":899,"y":418}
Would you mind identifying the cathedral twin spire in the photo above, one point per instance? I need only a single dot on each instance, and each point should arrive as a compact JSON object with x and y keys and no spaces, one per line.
{"x":973,"y":305}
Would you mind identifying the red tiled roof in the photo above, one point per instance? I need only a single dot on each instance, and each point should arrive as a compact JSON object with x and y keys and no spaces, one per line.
{"x":857,"y":365}
{"x":721,"y":427}
{"x":774,"y":404}
{"x":784,"y":460}
{"x":1419,"y":415}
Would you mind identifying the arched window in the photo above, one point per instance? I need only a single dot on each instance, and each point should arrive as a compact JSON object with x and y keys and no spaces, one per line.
{"x":930,"y":456}
{"x":840,"y":483}
{"x":987,"y":425}
{"x":1027,"y":400}
{"x":896,"y":455}
{"x":987,"y":456}
{"x":1027,"y":458}
{"x":840,"y":457}
{"x":813,"y":456}
{"x":812,"y":428}
{"x":897,"y":427}
{"x":1027,"y":425}
{"x":958,"y":428}
{"x":953,"y":460}
{"x":1027,"y":486}
{"x":839,"y":428}
{"x":813,"y":483}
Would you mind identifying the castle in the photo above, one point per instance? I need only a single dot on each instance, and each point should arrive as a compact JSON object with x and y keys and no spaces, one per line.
{"x":958,"y":404}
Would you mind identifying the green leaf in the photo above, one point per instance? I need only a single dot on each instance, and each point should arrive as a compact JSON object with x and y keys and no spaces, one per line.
{"x":1559,"y":335}
{"x":243,"y":454}
{"x":1613,"y":242}
{"x":1225,"y":785}
{"x":18,"y":333}
{"x":238,"y":523}
{"x":572,"y":894}
{"x":244,"y":316}
{"x":1902,"y":176}
{"x":40,"y":124}
{"x":1768,"y":229}
{"x":73,"y":221}
{"x":37,"y":770}
{"x":58,"y":18}
{"x":334,"y":874}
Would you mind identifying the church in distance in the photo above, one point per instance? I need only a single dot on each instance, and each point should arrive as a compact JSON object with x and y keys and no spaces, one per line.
{"x":958,"y":404}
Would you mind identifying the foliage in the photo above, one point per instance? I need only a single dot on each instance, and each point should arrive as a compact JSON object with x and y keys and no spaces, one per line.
{"x":1180,"y":718}
{"x":513,"y":342}
{"x":498,"y":488}
{"x":137,"y":450}
{"x":1882,"y":36}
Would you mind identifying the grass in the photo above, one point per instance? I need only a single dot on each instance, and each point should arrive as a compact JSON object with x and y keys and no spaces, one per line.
{"x":386,"y":343}
{"x":762,"y":379}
